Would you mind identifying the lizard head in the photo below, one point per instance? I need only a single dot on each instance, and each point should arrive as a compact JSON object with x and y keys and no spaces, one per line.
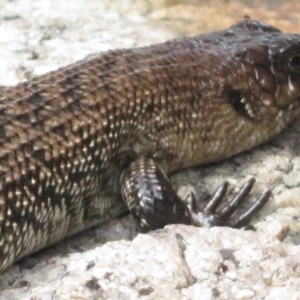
{"x":269,"y":66}
{"x":246,"y":89}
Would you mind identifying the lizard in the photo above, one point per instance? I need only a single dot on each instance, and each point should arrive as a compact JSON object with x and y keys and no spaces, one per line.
{"x":89,"y":141}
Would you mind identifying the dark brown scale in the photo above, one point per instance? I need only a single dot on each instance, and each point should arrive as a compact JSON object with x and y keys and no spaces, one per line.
{"x":85,"y":143}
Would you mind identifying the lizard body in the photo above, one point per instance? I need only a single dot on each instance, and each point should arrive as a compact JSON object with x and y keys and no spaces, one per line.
{"x":85,"y":143}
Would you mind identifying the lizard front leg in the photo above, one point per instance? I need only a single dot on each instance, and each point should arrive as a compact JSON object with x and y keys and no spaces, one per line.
{"x":150,"y":197}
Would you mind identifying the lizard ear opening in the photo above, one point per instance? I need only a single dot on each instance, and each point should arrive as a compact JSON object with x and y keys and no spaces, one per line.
{"x":240,"y":103}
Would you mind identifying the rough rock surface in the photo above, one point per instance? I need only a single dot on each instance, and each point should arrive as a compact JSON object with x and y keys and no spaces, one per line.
{"x":178,"y":262}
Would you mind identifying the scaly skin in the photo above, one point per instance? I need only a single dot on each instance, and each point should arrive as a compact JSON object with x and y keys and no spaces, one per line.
{"x":73,"y":141}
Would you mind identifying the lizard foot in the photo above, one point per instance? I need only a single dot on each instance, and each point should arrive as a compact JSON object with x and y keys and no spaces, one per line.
{"x":150,"y":197}
{"x":210,"y":217}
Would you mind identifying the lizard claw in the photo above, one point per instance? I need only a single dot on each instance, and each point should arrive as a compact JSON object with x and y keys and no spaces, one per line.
{"x":209,"y":217}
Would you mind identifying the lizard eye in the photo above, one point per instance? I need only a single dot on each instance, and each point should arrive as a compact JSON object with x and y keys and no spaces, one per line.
{"x":294,"y":62}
